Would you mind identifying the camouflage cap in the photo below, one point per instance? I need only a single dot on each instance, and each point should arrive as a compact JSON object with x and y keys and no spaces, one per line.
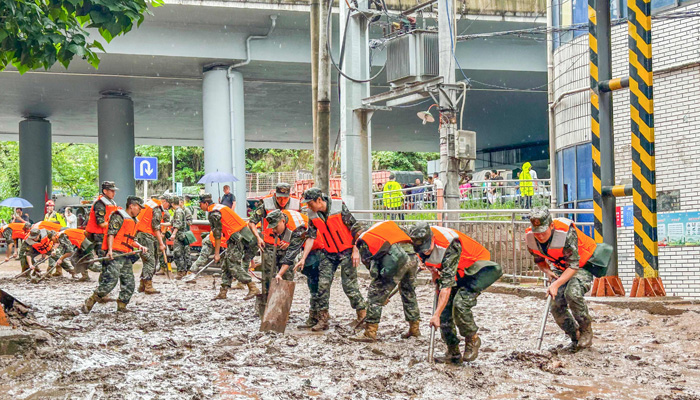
{"x":134,"y":200}
{"x":283,"y":189}
{"x":173,"y":199}
{"x":205,"y":198}
{"x":274,"y":217}
{"x":27,"y":226}
{"x":109,"y":185}
{"x":421,"y":236}
{"x":540,"y":218}
{"x":312,"y":194}
{"x":166,"y":197}
{"x":33,"y":236}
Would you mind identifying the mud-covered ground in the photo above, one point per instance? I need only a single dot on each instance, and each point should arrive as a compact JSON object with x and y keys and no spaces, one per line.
{"x":181,"y":345}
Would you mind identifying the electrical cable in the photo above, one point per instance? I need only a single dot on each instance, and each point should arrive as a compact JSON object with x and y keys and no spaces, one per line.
{"x":452,"y":48}
{"x":330,"y":50}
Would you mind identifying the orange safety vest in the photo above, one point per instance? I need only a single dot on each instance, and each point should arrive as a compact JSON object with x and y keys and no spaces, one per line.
{"x":332,"y":234}
{"x":48,"y":225}
{"x":472,"y":251}
{"x":76,"y":236}
{"x":145,"y":217}
{"x":230,"y":221}
{"x":45,"y":244}
{"x":381,"y":236}
{"x":270,"y":205}
{"x":124,"y":239}
{"x":17,"y":230}
{"x":555,"y":251}
{"x":92,"y":226}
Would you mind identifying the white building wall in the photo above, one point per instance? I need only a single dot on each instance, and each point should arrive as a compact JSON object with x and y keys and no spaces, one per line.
{"x":677,"y":130}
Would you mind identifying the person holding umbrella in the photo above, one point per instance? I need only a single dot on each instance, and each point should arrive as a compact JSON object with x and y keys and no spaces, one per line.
{"x":20,"y":217}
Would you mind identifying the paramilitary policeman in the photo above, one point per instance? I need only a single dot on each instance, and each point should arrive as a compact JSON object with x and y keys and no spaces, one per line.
{"x":149,"y":235}
{"x":331,"y":223}
{"x":38,"y":241}
{"x":461,"y":269}
{"x":100,"y":211}
{"x":388,"y":253}
{"x":119,"y":268}
{"x":181,"y":248}
{"x":71,"y":243}
{"x":575,"y":258}
{"x":14,"y":232}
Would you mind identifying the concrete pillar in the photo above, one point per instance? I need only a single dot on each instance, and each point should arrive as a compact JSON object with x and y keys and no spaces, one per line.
{"x":355,"y":129}
{"x":115,"y":142}
{"x":217,"y":125}
{"x":35,"y":164}
{"x":238,"y":139}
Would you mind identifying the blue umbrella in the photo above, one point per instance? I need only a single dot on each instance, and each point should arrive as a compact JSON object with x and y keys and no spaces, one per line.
{"x":15,"y":202}
{"x":218,"y":177}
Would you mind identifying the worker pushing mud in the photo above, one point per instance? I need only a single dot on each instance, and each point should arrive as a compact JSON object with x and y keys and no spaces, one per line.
{"x":576,"y":258}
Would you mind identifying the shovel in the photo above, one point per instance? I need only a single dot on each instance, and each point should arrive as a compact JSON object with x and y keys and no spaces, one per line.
{"x":120,"y":255}
{"x":8,"y":301}
{"x":431,"y":346}
{"x":190,"y":278}
{"x":29,"y":270}
{"x":544,"y":321}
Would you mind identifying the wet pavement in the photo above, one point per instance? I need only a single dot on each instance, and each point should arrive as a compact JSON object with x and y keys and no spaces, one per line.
{"x":181,"y":345}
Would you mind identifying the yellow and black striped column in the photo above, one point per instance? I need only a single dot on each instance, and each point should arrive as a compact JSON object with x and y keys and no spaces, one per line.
{"x":647,"y":281}
{"x":595,"y":122}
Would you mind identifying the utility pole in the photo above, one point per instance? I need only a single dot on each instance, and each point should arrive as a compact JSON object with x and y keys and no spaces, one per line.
{"x":323,"y":111}
{"x":449,"y":165}
{"x":313,"y":27}
{"x":550,"y":108}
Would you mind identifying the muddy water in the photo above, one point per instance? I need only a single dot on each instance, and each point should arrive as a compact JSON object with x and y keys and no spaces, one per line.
{"x":181,"y":345}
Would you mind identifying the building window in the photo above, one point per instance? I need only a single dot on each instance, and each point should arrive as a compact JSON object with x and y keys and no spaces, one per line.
{"x":575,"y":181}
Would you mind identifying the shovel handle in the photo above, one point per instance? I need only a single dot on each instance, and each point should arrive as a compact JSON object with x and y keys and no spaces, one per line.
{"x":544,"y":321}
{"x":206,"y":266}
{"x":431,"y":346}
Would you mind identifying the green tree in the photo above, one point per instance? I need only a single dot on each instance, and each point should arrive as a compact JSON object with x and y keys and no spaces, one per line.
{"x":189,"y":164}
{"x":39,"y":33}
{"x":75,"y":169}
{"x":402,"y":160}
{"x":278,"y":160}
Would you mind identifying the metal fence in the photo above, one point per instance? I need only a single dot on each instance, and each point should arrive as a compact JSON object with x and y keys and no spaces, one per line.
{"x":261,"y":184}
{"x":502,"y":232}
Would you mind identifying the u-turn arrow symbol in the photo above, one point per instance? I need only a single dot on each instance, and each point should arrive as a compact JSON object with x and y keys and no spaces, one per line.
{"x":148,"y":168}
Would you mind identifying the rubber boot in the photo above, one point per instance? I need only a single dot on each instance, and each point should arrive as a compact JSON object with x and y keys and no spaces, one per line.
{"x":413,"y":330}
{"x":148,"y":288}
{"x":89,"y":303}
{"x":58,"y":271}
{"x":180,"y":275}
{"x":310,"y":321}
{"x":252,"y":291}
{"x":471,"y":348}
{"x":451,"y":357}
{"x":239,"y":286}
{"x":322,"y":323}
{"x":161,"y":272}
{"x":85,"y":277}
{"x":121,"y":306}
{"x":142,"y":286}
{"x":586,"y":338}
{"x":221,"y":295}
{"x":368,"y":336}
{"x":573,"y":346}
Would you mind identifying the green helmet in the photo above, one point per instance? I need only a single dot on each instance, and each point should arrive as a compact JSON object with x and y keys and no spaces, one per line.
{"x":421,"y":235}
{"x":274,"y":217}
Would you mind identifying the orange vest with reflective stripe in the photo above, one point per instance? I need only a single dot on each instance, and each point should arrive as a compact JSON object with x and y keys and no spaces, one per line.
{"x":17,"y":230}
{"x":382,"y":235}
{"x":230,"y":221}
{"x":332,"y":234}
{"x":45,"y":244}
{"x":472,"y":251}
{"x":48,"y":225}
{"x":124,"y":239}
{"x":145,"y":217}
{"x":555,"y":251}
{"x":76,"y":236}
{"x":92,"y":226}
{"x":270,"y":204}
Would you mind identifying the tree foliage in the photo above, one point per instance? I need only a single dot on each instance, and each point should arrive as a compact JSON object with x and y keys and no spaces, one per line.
{"x":277,"y":160}
{"x":189,"y":164}
{"x":75,"y":169}
{"x":402,"y":160}
{"x":39,"y":33}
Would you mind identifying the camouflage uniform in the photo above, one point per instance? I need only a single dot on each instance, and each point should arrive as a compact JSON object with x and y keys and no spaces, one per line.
{"x":181,"y":251}
{"x":120,"y":270}
{"x":189,"y":218}
{"x":330,"y":262}
{"x":151,"y":243}
{"x":570,"y":295}
{"x":204,"y":254}
{"x":311,"y":272}
{"x":97,"y":238}
{"x":282,"y":257}
{"x":26,"y":250}
{"x":241,"y":249}
{"x":397,"y":267}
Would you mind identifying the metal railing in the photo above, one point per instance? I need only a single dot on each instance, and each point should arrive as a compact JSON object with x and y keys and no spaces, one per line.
{"x":261,"y":184}
{"x":502,"y":232}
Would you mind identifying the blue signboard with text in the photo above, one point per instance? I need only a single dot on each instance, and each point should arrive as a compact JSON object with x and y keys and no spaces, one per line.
{"x":145,"y":168}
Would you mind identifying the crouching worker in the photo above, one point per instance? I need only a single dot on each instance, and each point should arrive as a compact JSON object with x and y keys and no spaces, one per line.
{"x":461,"y":271}
{"x":118,"y":268}
{"x":388,"y":253}
{"x":576,"y":258}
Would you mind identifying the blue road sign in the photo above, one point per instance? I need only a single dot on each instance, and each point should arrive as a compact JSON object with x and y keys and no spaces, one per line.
{"x":145,"y":168}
